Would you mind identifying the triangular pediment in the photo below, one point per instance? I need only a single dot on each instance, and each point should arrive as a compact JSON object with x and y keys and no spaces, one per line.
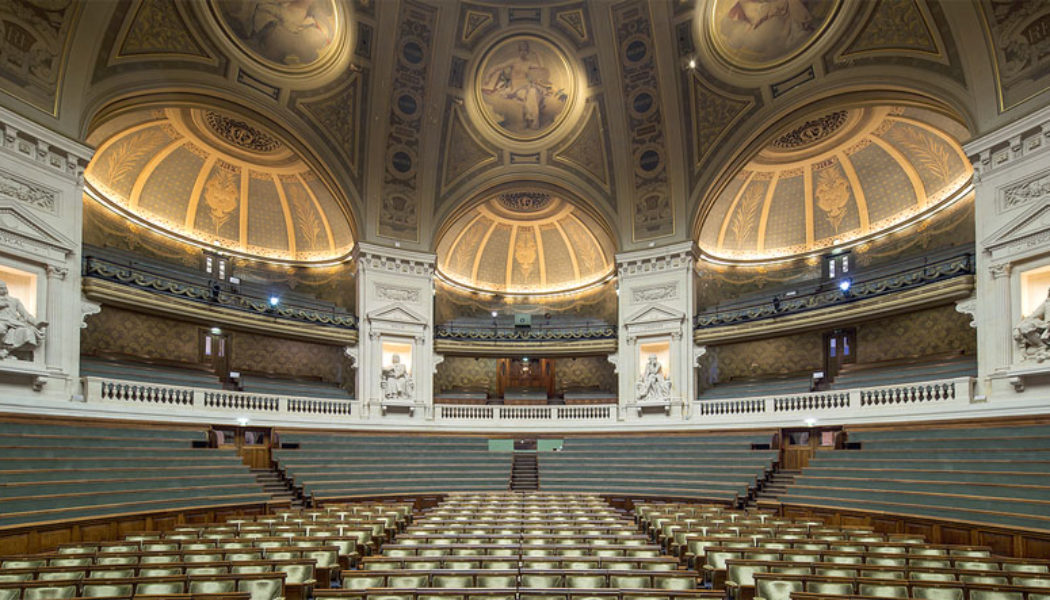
{"x":654,"y":314}
{"x":24,"y":233}
{"x":1035,"y":222}
{"x":397,"y":314}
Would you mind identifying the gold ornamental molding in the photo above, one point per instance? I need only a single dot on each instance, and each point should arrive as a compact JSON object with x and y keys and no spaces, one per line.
{"x":115,"y":294}
{"x":934,"y":294}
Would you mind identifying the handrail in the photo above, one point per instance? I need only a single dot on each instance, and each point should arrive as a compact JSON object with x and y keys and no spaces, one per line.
{"x":106,"y":270}
{"x":865,"y":404}
{"x":956,"y":266}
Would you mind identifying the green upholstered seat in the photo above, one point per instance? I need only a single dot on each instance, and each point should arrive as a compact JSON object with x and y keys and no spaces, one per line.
{"x":107,"y":590}
{"x":213,"y":586}
{"x":589,"y":580}
{"x":830,"y":587}
{"x":448,"y":580}
{"x":774,"y":589}
{"x":937,"y":592}
{"x":261,"y":589}
{"x":60,"y":592}
{"x":977,"y":594}
{"x":883,"y":590}
{"x":60,"y":575}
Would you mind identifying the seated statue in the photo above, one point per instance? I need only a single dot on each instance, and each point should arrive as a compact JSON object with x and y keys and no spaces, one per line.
{"x":1032,"y":334}
{"x":653,"y":386}
{"x":396,"y":383}
{"x":19,"y":331}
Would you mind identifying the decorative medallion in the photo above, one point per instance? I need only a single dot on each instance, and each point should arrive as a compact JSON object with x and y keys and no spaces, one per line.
{"x":240,"y":133}
{"x":284,"y":35}
{"x":811,"y":131}
{"x":524,"y":86}
{"x":759,"y":34}
{"x":525,"y":202}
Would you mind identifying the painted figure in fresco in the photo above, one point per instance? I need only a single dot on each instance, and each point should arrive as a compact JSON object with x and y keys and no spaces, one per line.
{"x":1032,"y":334}
{"x":396,"y":384}
{"x":653,"y":385}
{"x":767,"y":29}
{"x":18,"y":328}
{"x":521,"y":79}
{"x":292,"y":32}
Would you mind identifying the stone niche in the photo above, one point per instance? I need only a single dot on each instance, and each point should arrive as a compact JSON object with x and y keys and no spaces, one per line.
{"x":1012,"y":180}
{"x":41,"y":178}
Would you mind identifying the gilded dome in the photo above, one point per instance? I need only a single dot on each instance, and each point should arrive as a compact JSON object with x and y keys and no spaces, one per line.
{"x":834,"y":178}
{"x":219,"y":180}
{"x":527,"y":242}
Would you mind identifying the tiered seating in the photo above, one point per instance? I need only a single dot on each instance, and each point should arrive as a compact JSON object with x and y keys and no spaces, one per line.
{"x":537,"y":546}
{"x":752,"y":555}
{"x":989,"y":475}
{"x":293,"y":387}
{"x":331,"y":466}
{"x":60,"y":473}
{"x":148,"y":373}
{"x":798,"y":383}
{"x":285,"y":555}
{"x":900,"y":372}
{"x":716,"y":467}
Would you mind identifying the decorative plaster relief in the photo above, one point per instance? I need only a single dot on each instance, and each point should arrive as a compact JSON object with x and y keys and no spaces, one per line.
{"x":397,"y":294}
{"x":12,"y":186}
{"x":653,"y":293}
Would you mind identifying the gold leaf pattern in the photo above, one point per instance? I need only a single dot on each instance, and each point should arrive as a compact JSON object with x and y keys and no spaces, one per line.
{"x":305,"y":218}
{"x":120,"y":160}
{"x":833,"y":194}
{"x":221,"y":195}
{"x":525,"y":252}
{"x":743,"y":222}
{"x":930,"y":154}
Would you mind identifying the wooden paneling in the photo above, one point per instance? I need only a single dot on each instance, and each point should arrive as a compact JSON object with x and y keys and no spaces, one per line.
{"x":38,"y":538}
{"x":1002,"y":540}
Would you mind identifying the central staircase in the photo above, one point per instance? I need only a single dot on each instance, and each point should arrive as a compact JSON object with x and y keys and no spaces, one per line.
{"x":524,"y":472}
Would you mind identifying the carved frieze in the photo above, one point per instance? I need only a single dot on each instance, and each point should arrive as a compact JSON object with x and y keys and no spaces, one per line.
{"x":12,"y":186}
{"x":653,"y":293}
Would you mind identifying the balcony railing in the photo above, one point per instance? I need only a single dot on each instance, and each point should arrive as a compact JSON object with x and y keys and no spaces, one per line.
{"x":158,"y":283}
{"x":595,"y":330}
{"x":870,"y":404}
{"x":941,"y":270}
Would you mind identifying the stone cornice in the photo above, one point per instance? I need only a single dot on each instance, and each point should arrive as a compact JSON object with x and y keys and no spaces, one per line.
{"x":1008,"y":145}
{"x":394,"y":260}
{"x":39,"y":145}
{"x":934,"y":294}
{"x":654,"y":260}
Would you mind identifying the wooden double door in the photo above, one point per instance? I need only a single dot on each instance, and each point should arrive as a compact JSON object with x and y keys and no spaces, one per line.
{"x":537,"y":373}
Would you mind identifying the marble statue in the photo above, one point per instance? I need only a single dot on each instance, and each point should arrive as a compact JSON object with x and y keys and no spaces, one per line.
{"x":396,"y":384}
{"x":19,"y":330}
{"x":653,"y":386}
{"x":1032,"y":334}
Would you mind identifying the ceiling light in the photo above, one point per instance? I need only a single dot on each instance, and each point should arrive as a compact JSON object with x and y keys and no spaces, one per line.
{"x":844,"y":285}
{"x":274,"y":300}
{"x":692,"y":63}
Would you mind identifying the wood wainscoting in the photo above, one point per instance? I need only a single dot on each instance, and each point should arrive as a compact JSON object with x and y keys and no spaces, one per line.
{"x":42,"y":537}
{"x":1018,"y":543}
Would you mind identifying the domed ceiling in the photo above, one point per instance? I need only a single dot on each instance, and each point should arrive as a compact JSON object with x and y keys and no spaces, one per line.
{"x":525,"y":243}
{"x":221,"y":181}
{"x":834,"y":178}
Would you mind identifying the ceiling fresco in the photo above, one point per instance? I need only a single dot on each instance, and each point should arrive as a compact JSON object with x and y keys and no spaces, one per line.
{"x":284,"y":35}
{"x":757,"y":34}
{"x":835,"y":178}
{"x":525,"y":86}
{"x":219,"y":180}
{"x":660,"y":115}
{"x":525,"y":242}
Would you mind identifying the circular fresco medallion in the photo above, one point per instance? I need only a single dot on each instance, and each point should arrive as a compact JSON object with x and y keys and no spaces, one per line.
{"x":524,"y":86}
{"x":758,"y":34}
{"x":287,"y":35}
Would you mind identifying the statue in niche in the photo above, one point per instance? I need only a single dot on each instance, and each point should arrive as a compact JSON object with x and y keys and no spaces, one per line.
{"x":396,"y":384}
{"x":1032,"y":334}
{"x":19,"y":330}
{"x":653,"y":386}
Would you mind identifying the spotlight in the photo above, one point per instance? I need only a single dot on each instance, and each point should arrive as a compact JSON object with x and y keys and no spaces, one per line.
{"x":274,"y":300}
{"x":215,"y":331}
{"x":844,"y":285}
{"x":692,"y":63}
{"x":242,"y":421}
{"x":810,"y":422}
{"x":495,"y":314}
